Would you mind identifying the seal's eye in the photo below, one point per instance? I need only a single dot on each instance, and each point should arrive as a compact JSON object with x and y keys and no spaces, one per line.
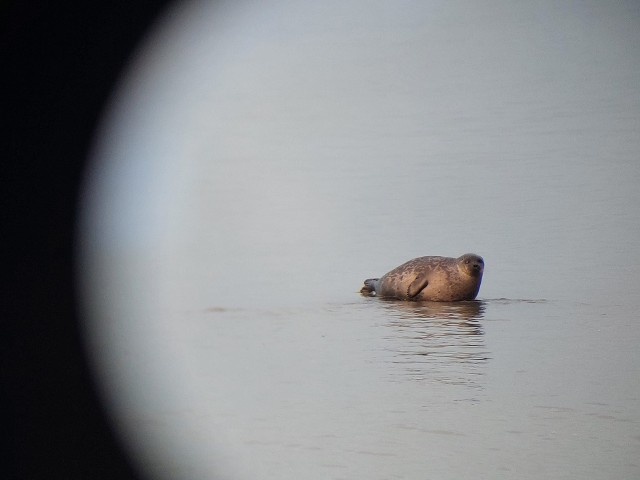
{"x":466,"y":261}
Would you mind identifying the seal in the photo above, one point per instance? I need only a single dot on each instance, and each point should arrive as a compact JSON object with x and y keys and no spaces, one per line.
{"x":434,"y":279}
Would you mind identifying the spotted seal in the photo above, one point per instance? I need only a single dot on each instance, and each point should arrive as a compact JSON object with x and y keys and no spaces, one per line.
{"x":436,"y":279}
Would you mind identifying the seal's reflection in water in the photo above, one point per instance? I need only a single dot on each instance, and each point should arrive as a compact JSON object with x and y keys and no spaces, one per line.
{"x":437,"y":341}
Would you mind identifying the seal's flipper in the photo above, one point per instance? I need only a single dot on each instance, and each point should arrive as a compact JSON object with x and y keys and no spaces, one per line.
{"x":369,"y":288}
{"x":419,"y":284}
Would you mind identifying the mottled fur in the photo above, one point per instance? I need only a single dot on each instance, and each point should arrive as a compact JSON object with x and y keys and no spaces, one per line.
{"x":437,"y":279}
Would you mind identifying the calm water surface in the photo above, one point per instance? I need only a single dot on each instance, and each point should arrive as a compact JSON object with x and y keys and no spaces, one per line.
{"x":259,"y":162}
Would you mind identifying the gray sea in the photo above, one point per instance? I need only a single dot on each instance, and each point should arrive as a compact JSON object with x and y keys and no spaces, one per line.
{"x":261,"y":159}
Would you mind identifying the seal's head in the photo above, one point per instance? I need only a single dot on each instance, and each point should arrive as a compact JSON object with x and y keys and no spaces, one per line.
{"x":471,"y":264}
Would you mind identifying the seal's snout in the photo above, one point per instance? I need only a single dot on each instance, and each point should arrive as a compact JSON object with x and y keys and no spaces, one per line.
{"x":476,"y":269}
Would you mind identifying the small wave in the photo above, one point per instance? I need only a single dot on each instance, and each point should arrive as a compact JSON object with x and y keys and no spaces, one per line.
{"x":507,"y":301}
